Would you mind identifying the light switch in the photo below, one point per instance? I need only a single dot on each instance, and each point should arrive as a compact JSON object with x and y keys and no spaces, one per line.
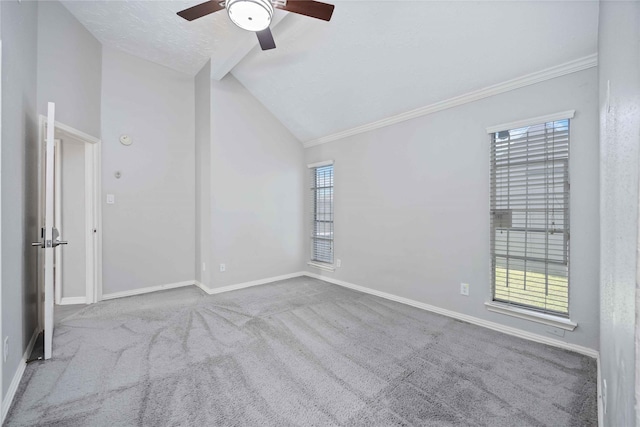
{"x":111,"y":199}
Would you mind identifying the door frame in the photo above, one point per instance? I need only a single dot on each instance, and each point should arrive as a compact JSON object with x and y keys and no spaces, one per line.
{"x":93,"y":215}
{"x":57,"y":222}
{"x":2,"y":398}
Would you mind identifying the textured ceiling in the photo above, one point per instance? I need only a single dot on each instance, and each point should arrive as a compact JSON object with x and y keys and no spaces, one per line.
{"x":152,"y":30}
{"x":373,"y":60}
{"x":380,"y":58}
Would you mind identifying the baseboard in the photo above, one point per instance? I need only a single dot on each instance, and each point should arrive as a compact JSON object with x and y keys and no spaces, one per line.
{"x":147,"y":290}
{"x":465,"y":318}
{"x":73,"y":300}
{"x":201,"y":286}
{"x":248,"y":284}
{"x":13,"y":387}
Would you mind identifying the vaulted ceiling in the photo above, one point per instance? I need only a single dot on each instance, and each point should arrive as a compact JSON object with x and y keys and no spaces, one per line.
{"x":374,"y":59}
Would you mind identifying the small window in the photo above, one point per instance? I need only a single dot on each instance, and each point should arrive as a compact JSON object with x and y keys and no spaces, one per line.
{"x":530,"y":217}
{"x":322,"y":214}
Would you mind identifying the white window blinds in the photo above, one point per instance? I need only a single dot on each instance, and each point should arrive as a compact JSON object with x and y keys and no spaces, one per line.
{"x":530,"y":217}
{"x":322,"y":213}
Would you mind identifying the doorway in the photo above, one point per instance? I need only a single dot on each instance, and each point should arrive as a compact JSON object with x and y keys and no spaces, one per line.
{"x":77,"y":216}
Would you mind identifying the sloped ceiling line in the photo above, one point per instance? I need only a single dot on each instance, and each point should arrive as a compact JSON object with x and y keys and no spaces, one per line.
{"x":377,"y":59}
{"x":537,"y":77}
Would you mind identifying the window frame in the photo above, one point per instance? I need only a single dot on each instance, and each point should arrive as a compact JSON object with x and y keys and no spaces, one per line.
{"x":313,"y":260}
{"x":530,"y":312}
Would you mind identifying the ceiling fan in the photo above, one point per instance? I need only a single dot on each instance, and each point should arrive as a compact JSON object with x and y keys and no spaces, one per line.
{"x":255,"y":15}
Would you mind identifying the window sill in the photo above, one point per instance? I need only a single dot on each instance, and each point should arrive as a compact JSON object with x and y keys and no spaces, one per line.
{"x":321,"y":266}
{"x":522,"y":313}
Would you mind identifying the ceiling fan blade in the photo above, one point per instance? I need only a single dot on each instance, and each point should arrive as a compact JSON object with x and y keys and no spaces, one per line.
{"x":266,"y":39}
{"x":201,"y":10}
{"x":314,"y":9}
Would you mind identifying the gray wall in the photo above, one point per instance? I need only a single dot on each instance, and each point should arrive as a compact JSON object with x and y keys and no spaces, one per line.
{"x":619,"y":64}
{"x":19,"y":179}
{"x":148,"y":234}
{"x":412,"y":203}
{"x":69,"y":68}
{"x":257,"y":176}
{"x":203,"y":174}
{"x":70,"y":74}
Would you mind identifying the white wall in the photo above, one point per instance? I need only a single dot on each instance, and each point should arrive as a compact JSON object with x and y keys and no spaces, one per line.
{"x":257,"y":176}
{"x":69,"y":68}
{"x":70,"y":74}
{"x":73,"y":226}
{"x":412,"y":203}
{"x":619,"y":64}
{"x":148,"y":234}
{"x":19,"y":180}
{"x":203,"y":174}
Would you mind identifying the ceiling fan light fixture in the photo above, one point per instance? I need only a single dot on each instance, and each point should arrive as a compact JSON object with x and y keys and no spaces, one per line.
{"x":250,"y":15}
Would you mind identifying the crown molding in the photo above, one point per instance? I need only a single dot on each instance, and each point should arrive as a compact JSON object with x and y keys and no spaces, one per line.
{"x":526,"y":80}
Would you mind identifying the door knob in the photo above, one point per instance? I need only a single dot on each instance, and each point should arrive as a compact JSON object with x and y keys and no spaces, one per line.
{"x":57,"y":242}
{"x":37,"y":244}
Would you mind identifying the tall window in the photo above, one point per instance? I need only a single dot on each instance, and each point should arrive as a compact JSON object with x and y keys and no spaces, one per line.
{"x":530,"y":217}
{"x":322,"y":213}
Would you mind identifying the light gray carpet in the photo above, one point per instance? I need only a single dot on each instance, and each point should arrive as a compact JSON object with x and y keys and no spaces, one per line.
{"x":61,"y":312}
{"x":297,"y":352}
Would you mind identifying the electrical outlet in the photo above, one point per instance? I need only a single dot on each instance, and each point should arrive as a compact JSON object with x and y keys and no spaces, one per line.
{"x":223,"y":268}
{"x":204,"y":266}
{"x":5,"y":348}
{"x":464,"y":289}
{"x":604,"y":395}
{"x":338,"y":263}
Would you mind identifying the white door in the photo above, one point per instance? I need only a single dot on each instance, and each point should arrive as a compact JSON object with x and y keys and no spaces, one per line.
{"x":49,"y":233}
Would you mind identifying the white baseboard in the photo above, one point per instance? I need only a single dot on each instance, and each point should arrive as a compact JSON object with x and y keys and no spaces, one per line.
{"x":248,"y":284}
{"x":13,"y":387}
{"x":147,"y":290}
{"x":73,"y":300}
{"x":465,"y":318}
{"x":201,"y":286}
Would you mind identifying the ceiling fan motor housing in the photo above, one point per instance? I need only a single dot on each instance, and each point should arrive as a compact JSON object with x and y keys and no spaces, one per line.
{"x":256,"y":15}
{"x":251,"y":15}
